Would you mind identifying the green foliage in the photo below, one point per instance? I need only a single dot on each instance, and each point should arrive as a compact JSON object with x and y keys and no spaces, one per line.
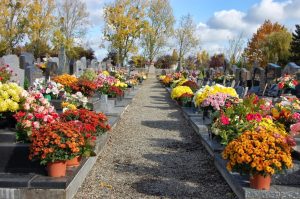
{"x":77,"y":52}
{"x":26,"y":84}
{"x":138,"y":61}
{"x":89,"y":74}
{"x":276,"y":47}
{"x":295,"y":46}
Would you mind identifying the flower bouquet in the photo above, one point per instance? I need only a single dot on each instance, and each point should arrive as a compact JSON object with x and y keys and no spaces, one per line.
{"x":104,"y":81}
{"x":131,"y":83}
{"x":121,"y":85}
{"x":66,"y":80}
{"x":74,"y":101}
{"x":41,"y":66}
{"x":236,"y":116}
{"x":260,"y":153}
{"x":213,"y":97}
{"x":50,"y":89}
{"x":182,"y":94}
{"x":86,"y":87}
{"x":95,"y":123}
{"x":167,"y":80}
{"x":92,"y":124}
{"x":89,"y":74}
{"x":114,"y":91}
{"x":34,"y":112}
{"x":54,"y":143}
{"x":5,"y":74}
{"x":178,"y":82}
{"x":285,"y":115}
{"x":193,"y":85}
{"x":11,"y":96}
{"x":286,"y":83}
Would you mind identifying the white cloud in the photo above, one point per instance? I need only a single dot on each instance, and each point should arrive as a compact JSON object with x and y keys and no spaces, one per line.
{"x":227,"y":24}
{"x":292,"y":9}
{"x":208,"y":34}
{"x":267,"y":9}
{"x":227,"y":19}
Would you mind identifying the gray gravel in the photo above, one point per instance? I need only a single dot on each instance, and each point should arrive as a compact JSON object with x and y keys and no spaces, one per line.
{"x":154,"y":153}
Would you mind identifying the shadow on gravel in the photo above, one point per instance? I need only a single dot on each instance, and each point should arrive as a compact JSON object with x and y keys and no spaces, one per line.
{"x":160,"y":107}
{"x":164,"y":125}
{"x":184,"y":170}
{"x":157,"y":86}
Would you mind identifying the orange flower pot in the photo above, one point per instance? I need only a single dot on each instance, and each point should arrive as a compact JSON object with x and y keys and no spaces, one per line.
{"x":260,"y":182}
{"x":74,"y":162}
{"x":57,"y":169}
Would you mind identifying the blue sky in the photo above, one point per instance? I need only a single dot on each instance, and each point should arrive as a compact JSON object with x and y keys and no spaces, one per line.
{"x":217,"y":20}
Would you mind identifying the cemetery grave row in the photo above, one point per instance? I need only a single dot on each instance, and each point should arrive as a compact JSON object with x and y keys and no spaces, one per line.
{"x":221,"y":120}
{"x":53,"y":101}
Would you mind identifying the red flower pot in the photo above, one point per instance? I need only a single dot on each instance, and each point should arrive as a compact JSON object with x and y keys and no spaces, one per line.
{"x":260,"y":182}
{"x":57,"y":169}
{"x":74,"y":162}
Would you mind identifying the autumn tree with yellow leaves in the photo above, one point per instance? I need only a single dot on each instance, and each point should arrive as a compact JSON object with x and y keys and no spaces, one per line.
{"x":41,"y":21}
{"x":12,"y":24}
{"x":161,"y":22}
{"x":124,"y":24}
{"x":255,"y":51}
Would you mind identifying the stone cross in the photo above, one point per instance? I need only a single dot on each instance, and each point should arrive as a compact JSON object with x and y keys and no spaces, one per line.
{"x":32,"y":73}
{"x":26,"y":59}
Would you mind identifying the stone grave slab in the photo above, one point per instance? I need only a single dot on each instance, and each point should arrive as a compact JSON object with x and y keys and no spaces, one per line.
{"x":241,"y":186}
{"x":112,"y":120}
{"x":123,"y":103}
{"x":32,"y":185}
{"x":11,"y":60}
{"x":190,"y":112}
{"x":19,"y":75}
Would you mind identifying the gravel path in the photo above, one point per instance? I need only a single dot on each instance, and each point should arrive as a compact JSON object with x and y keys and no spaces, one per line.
{"x":154,"y":153}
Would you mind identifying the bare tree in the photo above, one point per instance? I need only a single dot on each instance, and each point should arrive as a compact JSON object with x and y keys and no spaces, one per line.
{"x":235,"y":48}
{"x":73,"y":18}
{"x":186,"y":37}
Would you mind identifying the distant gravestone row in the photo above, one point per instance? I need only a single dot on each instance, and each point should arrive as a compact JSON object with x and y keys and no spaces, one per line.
{"x":24,"y":67}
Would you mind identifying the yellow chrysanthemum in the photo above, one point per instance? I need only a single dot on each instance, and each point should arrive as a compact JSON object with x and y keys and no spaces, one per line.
{"x":106,"y":73}
{"x":178,"y":91}
{"x":203,"y":93}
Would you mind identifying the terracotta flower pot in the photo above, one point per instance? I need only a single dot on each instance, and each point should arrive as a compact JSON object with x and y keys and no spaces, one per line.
{"x":260,"y":182}
{"x":57,"y":169}
{"x":74,"y":162}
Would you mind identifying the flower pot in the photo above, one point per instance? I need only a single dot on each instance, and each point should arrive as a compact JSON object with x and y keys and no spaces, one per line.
{"x":57,"y":169}
{"x":74,"y":162}
{"x":260,"y":182}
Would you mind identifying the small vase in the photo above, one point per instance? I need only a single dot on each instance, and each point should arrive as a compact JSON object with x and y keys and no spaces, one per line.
{"x":260,"y":182}
{"x":74,"y":162}
{"x":57,"y":169}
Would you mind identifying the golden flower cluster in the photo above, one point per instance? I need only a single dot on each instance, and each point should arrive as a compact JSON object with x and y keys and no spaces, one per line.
{"x":65,"y":79}
{"x":178,"y":91}
{"x":258,"y":152}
